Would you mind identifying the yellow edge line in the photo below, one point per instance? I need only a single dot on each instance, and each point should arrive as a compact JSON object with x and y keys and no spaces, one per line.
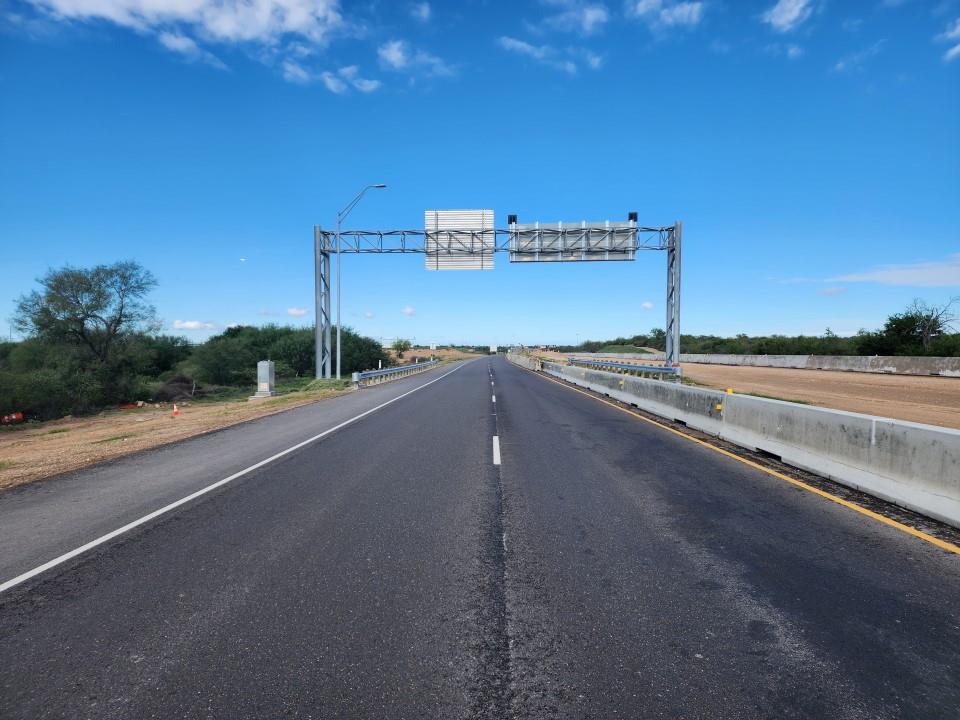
{"x":942,"y":544}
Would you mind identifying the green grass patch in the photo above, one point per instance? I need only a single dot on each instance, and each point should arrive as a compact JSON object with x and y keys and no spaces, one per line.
{"x":58,"y":430}
{"x":5,"y":464}
{"x":324,"y":384}
{"x":112,"y":439}
{"x":623,"y":349}
{"x":17,"y":427}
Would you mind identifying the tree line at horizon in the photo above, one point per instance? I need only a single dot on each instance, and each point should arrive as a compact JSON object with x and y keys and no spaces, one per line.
{"x":919,"y":330}
{"x":92,"y":340}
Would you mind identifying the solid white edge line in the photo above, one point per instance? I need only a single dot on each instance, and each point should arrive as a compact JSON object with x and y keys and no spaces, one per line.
{"x":203,"y":491}
{"x":496,"y":450}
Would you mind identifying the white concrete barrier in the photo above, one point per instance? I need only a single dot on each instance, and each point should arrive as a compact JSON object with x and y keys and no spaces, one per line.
{"x":913,"y":465}
{"x":896,"y":365}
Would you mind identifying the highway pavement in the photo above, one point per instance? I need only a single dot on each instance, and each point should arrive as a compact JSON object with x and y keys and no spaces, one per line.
{"x":487,"y":544}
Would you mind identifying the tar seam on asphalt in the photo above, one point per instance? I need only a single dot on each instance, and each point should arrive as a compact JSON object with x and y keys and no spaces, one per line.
{"x":909,"y":518}
{"x":495,"y":674}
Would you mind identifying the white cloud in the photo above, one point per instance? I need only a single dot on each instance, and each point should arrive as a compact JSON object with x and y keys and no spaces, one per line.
{"x":660,"y":14}
{"x":646,"y":305}
{"x":188,"y":47}
{"x":552,"y":57}
{"x":369,"y":315}
{"x":408,"y":311}
{"x":830,"y":291}
{"x":855,"y":61}
{"x":295,"y":73}
{"x":787,"y":50}
{"x":421,"y":11}
{"x":852,"y":24}
{"x":951,"y":34}
{"x":296,"y":312}
{"x":351,"y":73}
{"x":264,"y":21}
{"x":333,"y":83}
{"x":193,"y":325}
{"x":270,"y":29}
{"x":398,"y":55}
{"x":945,"y":273}
{"x":788,"y":14}
{"x":577,"y":16}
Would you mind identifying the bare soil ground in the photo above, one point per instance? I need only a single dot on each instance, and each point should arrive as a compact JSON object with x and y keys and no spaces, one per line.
{"x":444,"y":355}
{"x":930,"y":400}
{"x":71,"y":443}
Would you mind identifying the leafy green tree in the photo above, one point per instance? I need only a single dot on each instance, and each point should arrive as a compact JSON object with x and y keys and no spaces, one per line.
{"x":297,"y":351}
{"x":93,"y":308}
{"x":400,"y":346}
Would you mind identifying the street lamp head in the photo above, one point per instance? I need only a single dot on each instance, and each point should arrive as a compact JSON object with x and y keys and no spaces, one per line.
{"x":378,"y":185}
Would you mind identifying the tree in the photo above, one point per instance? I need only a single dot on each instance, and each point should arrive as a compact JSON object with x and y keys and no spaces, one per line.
{"x":92,"y":308}
{"x":297,"y":351}
{"x":932,"y":320}
{"x":914,"y":331}
{"x":400,"y":346}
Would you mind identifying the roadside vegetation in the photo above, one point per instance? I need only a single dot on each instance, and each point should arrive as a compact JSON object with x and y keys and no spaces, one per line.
{"x":93,"y":341}
{"x":920,"y":329}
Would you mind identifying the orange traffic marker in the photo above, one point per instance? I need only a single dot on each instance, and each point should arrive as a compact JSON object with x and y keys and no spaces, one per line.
{"x":176,"y":410}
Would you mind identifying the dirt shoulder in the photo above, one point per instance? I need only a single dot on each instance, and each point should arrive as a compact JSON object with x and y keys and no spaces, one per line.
{"x":922,"y":399}
{"x":72,"y":443}
{"x":930,"y":400}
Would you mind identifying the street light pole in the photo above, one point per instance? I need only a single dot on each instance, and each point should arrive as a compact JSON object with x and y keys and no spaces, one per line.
{"x":340,"y":216}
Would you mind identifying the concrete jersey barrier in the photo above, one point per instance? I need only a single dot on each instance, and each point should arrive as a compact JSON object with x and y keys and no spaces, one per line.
{"x":896,"y":365}
{"x":913,"y":465}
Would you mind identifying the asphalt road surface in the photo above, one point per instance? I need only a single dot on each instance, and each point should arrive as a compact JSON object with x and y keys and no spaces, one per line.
{"x":392,"y":569}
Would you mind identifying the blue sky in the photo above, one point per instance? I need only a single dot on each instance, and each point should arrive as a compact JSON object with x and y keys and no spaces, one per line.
{"x":811,"y":147}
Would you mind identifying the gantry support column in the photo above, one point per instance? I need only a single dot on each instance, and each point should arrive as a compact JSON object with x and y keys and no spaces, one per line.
{"x":673,"y":296}
{"x":322,"y":344}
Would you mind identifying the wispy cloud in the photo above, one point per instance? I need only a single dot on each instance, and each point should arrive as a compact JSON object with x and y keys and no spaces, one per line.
{"x":943,"y":273}
{"x":421,"y":12}
{"x":338,"y":82}
{"x":855,"y":61}
{"x":831,"y":291}
{"x":577,"y":16}
{"x":951,"y":35}
{"x":296,"y":312}
{"x":193,"y":325}
{"x":369,"y":315}
{"x":565,"y":60}
{"x":790,"y":51}
{"x":646,"y":305}
{"x":399,"y":56}
{"x":266,"y":21}
{"x":788,"y":14}
{"x":188,"y":48}
{"x":265,"y":27}
{"x":408,"y":311}
{"x":294,"y":72}
{"x":660,"y":14}
{"x":351,"y":73}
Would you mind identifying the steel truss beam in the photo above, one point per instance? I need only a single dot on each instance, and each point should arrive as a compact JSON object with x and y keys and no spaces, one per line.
{"x":569,"y":243}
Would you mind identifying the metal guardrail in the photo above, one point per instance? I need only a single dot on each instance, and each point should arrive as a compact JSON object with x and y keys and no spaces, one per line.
{"x":627,"y":367}
{"x":374,"y":377}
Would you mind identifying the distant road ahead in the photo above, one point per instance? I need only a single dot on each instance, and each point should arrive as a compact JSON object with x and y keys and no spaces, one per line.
{"x":391,"y":569}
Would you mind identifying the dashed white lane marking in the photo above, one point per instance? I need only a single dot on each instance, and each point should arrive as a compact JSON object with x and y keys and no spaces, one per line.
{"x":496,"y":450}
{"x":203,"y":491}
{"x":494,"y":397}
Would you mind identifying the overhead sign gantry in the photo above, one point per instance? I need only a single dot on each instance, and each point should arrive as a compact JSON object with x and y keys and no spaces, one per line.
{"x":468,"y":240}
